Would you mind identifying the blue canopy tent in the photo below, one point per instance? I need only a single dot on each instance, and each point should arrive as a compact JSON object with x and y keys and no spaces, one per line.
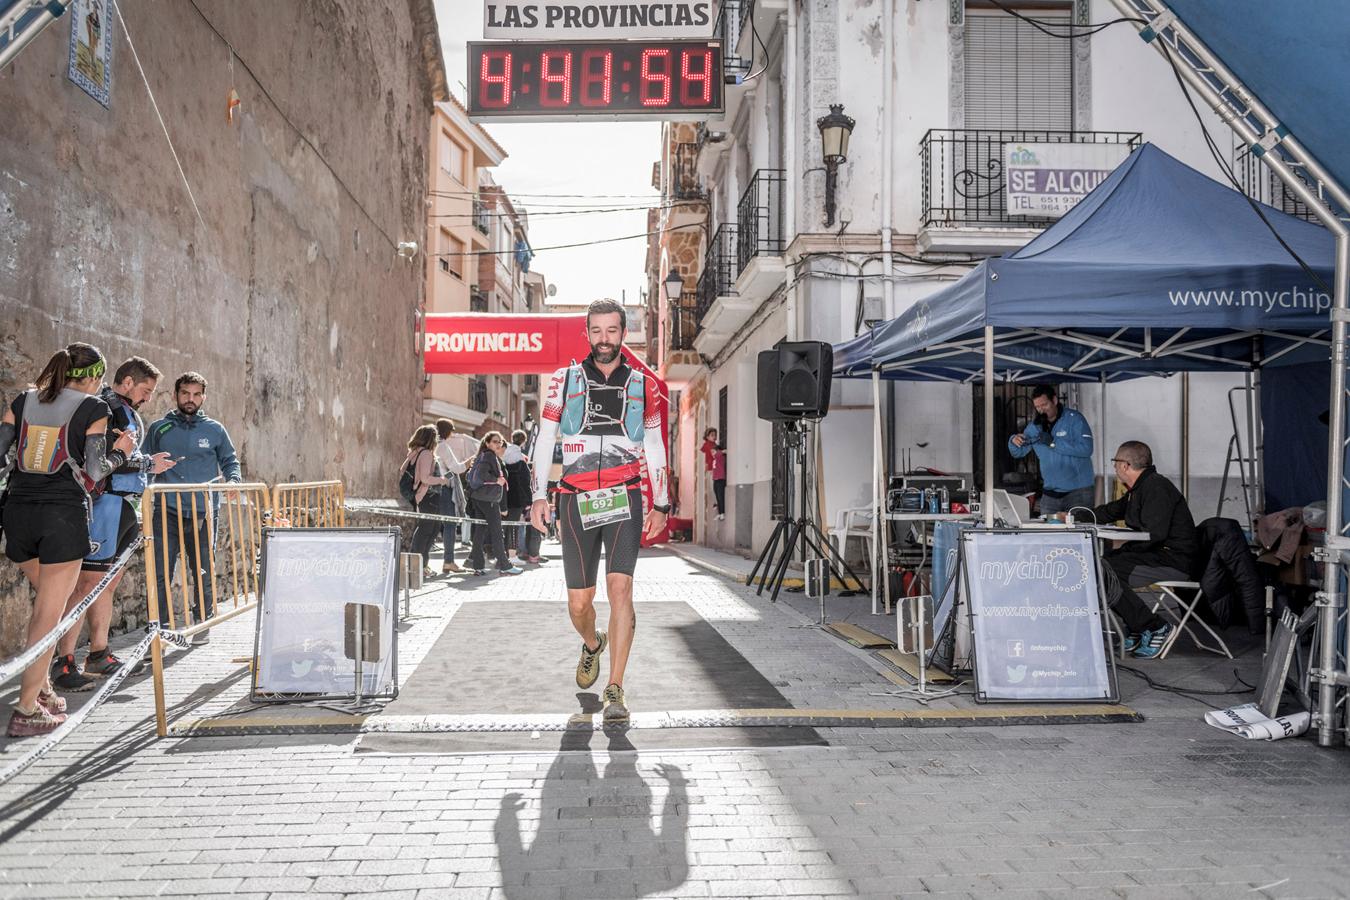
{"x":1159,"y":270}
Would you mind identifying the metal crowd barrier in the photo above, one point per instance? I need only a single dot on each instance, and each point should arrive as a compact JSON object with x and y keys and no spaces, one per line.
{"x":224,"y":537}
{"x":310,"y":504}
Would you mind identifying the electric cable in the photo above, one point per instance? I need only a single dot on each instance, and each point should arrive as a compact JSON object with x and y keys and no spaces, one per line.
{"x":594,"y":243}
{"x":1189,"y":693}
{"x":1088,"y":30}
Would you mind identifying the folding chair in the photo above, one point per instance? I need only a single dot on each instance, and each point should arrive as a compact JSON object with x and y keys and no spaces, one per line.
{"x":1185,"y":612}
{"x":853,"y":522}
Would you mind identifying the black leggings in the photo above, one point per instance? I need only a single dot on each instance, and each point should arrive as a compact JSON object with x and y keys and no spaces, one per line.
{"x":424,"y":535}
{"x":487,"y":537}
{"x":581,"y":548}
{"x":720,"y":494}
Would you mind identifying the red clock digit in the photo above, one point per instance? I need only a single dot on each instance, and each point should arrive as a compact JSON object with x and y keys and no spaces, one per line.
{"x":597,"y":67}
{"x":495,"y":72}
{"x":655,"y":89}
{"x":555,"y":78}
{"x":699,"y":75}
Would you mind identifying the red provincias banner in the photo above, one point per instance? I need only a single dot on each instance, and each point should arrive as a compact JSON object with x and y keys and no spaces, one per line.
{"x":502,"y":344}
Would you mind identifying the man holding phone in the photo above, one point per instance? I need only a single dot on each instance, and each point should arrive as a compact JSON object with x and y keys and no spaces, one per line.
{"x":203,"y":452}
{"x":1062,"y":441}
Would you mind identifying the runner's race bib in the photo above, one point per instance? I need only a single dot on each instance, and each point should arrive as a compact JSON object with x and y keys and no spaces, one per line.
{"x":600,"y":507}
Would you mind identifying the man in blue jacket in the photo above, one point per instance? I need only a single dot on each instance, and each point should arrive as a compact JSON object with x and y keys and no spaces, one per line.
{"x":1062,"y":441}
{"x":203,"y":452}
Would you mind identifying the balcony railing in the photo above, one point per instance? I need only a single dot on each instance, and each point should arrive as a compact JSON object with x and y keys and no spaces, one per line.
{"x":730,"y":17}
{"x":684,"y":172}
{"x":1260,"y":182}
{"x":719,"y":270}
{"x":478,"y":394}
{"x":963,"y":179}
{"x":482,"y":220}
{"x":478,"y":302}
{"x":759,"y":218}
{"x":684,"y":321}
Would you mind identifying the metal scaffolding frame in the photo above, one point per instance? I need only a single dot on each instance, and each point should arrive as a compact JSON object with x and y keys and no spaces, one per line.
{"x":1271,"y":142}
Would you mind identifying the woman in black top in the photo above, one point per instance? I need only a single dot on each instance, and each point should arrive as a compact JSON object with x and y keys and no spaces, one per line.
{"x":487,"y":487}
{"x":46,"y":513}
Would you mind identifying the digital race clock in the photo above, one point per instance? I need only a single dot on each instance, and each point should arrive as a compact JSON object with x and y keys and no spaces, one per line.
{"x":613,"y":79}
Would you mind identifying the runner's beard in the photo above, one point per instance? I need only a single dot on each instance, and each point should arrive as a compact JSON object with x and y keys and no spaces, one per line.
{"x":604,"y":353}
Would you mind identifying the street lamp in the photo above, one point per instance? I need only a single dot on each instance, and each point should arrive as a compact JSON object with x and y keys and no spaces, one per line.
{"x":674,"y":285}
{"x":834,"y":133}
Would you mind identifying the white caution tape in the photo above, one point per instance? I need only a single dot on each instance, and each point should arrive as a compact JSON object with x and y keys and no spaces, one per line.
{"x":405,"y":514}
{"x":73,"y":720}
{"x":70,"y":620}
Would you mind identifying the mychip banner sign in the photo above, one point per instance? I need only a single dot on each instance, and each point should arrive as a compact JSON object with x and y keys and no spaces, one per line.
{"x":598,"y":19}
{"x":327,"y":596}
{"x":1036,"y":616}
{"x":1048,"y":180}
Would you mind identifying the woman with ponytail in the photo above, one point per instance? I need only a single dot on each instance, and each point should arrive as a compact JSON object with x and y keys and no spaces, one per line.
{"x":60,"y":428}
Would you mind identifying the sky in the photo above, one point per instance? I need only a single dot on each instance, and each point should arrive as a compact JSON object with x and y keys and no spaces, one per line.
{"x":550,"y":158}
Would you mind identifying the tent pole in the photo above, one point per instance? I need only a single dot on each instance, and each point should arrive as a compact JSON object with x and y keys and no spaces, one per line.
{"x":1258,"y":440}
{"x":988,"y":499}
{"x":1101,"y":444}
{"x":1332,"y":599}
{"x":1186,"y":435}
{"x":880,"y":534}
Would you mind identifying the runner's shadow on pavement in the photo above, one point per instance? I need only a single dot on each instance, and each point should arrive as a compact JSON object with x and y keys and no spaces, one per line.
{"x":584,"y":815}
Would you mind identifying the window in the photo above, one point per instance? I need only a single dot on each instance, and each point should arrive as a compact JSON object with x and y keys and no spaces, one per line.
{"x":1016,"y":76}
{"x":723,"y":416}
{"x":452,"y":156}
{"x":450,"y":254}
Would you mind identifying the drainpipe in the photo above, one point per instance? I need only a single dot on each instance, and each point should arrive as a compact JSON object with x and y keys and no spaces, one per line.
{"x":790,"y":161}
{"x":887,"y":193}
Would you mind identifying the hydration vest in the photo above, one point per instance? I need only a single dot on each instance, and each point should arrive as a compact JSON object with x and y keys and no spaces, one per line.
{"x":44,"y":436}
{"x":576,"y":406}
{"x":129,"y":482}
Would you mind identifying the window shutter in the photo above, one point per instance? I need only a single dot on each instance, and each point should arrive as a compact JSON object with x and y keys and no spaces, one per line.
{"x":1016,"y":76}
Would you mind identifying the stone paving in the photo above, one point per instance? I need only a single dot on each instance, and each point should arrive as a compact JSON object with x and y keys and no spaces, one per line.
{"x":1166,"y":808}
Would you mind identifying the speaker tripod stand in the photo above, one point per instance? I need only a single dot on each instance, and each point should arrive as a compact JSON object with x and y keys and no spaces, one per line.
{"x":790,"y":533}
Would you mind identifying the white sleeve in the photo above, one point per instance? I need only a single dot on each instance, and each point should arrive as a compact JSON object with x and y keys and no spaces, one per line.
{"x":543,"y":459}
{"x":655,"y":449}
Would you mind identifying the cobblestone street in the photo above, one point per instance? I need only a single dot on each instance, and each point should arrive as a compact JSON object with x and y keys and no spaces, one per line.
{"x":1165,"y":808}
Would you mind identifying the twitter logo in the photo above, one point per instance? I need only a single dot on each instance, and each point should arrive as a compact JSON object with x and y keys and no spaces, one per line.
{"x":1017,"y":674}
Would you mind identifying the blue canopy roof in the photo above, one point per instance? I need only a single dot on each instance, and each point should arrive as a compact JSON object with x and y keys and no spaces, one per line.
{"x":1160,"y":269}
{"x":1294,"y":55}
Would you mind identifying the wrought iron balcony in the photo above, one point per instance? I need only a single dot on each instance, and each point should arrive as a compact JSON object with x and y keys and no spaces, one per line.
{"x":1260,"y":182}
{"x":478,"y":394}
{"x":963,"y":178}
{"x":684,"y":321}
{"x":478,"y":302}
{"x":684,"y":172}
{"x":719,"y":270}
{"x":731,"y":16}
{"x":482,"y":219}
{"x":759,"y":218}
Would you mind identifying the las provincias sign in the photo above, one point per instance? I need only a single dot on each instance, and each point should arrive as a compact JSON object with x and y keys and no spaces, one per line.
{"x":598,"y":19}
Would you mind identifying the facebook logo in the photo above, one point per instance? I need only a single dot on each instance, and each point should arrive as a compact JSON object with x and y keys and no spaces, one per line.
{"x":1016,"y":649}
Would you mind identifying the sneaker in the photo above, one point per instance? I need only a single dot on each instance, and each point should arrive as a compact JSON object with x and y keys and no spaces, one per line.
{"x":538,"y":560}
{"x":54,"y":702}
{"x":1131,"y":642}
{"x":514,"y":570}
{"x":40,"y":721}
{"x":101,"y":664}
{"x":616,"y":710}
{"x":720,"y":516}
{"x":67,"y":677}
{"x":478,"y":572}
{"x":1151,"y":643}
{"x":520,"y":561}
{"x":588,"y":667}
{"x":201,"y":637}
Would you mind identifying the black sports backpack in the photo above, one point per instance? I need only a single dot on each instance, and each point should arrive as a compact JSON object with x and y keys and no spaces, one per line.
{"x":407,"y":481}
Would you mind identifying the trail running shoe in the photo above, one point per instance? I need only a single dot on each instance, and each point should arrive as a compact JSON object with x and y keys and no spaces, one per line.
{"x":588,"y":667}
{"x":616,"y":710}
{"x":101,"y":664}
{"x":1152,"y":642}
{"x":55,"y":703}
{"x":68,"y":677}
{"x":40,"y":721}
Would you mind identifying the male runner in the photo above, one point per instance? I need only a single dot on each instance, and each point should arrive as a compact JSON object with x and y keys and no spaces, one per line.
{"x":609,"y":417}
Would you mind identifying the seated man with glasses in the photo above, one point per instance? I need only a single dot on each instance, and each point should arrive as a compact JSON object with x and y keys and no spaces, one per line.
{"x":1153,"y":504}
